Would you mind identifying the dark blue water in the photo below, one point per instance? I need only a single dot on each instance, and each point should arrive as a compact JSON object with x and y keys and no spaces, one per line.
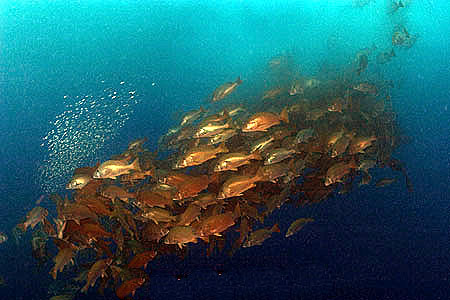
{"x":373,"y":243}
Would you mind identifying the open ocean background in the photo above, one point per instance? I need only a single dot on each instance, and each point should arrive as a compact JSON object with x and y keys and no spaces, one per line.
{"x":137,"y":64}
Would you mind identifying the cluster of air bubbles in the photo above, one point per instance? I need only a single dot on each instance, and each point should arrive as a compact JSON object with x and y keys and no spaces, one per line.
{"x":80,"y":134}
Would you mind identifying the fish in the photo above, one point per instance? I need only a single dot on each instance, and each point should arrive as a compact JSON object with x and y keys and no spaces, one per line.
{"x":151,"y":198}
{"x":154,"y":232}
{"x":395,"y":6}
{"x":274,"y":171}
{"x":278,"y":155}
{"x":222,"y":136}
{"x":192,"y":116}
{"x":205,"y":200}
{"x":385,"y":57}
{"x":142,"y":259}
{"x":233,"y":111}
{"x":366,"y":88}
{"x":231,"y":161}
{"x":362,"y":61}
{"x":358,"y":145}
{"x":225,"y":89}
{"x":3,"y":237}
{"x":296,"y":88}
{"x":340,"y":146}
{"x":34,"y":217}
{"x":114,"y":192}
{"x":337,"y":105}
{"x":198,"y":155}
{"x":237,"y":184}
{"x":98,"y":269}
{"x":210,"y":129}
{"x":181,"y":235}
{"x":114,"y":168}
{"x":64,"y":256}
{"x":191,"y":213}
{"x":304,"y":135}
{"x":214,"y":225}
{"x":262,"y":144}
{"x":272,"y":93}
{"x":78,"y":181}
{"x":384,"y":182}
{"x":297,"y":225}
{"x":337,"y":171}
{"x":263,"y":120}
{"x":257,"y":238}
{"x":137,"y":144}
{"x":129,"y":287}
{"x":157,"y":215}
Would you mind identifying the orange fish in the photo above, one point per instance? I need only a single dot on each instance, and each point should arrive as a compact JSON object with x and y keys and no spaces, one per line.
{"x":236,"y":185}
{"x":142,"y":259}
{"x":336,"y":172}
{"x":129,"y":287}
{"x":264,"y":120}
{"x":97,"y":270}
{"x":199,"y":155}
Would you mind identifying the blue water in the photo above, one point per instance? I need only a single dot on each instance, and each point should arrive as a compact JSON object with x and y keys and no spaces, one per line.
{"x":369,"y":244}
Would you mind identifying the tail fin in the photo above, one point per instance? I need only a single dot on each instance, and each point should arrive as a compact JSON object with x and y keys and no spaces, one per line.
{"x":400,"y":4}
{"x":284,"y":115}
{"x":393,"y":53}
{"x":135,"y":165}
{"x":275,"y":228}
{"x":222,"y":148}
{"x":256,"y":155}
{"x":238,"y":80}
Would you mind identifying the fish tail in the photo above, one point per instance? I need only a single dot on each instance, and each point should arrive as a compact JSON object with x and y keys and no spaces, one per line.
{"x":238,"y":80}
{"x":256,"y":155}
{"x":393,"y":53}
{"x":284,"y":115}
{"x":275,"y":228}
{"x":222,"y":148}
{"x":135,"y":165}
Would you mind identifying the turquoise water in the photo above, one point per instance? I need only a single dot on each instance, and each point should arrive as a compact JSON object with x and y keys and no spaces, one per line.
{"x":79,"y":81}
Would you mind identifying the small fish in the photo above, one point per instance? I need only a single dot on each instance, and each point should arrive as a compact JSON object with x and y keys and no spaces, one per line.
{"x":114,"y":168}
{"x":181,"y":235}
{"x":98,"y":269}
{"x":222,"y":136}
{"x":385,"y":182}
{"x":336,"y":172}
{"x":304,"y":135}
{"x":211,"y":129}
{"x":3,"y":237}
{"x":278,"y":155}
{"x":264,"y":120}
{"x":137,"y":144}
{"x":232,"y":161}
{"x":296,"y":88}
{"x":236,"y":185}
{"x":262,"y":144}
{"x":297,"y":225}
{"x":114,"y":192}
{"x":366,"y":88}
{"x":198,"y":155}
{"x":257,"y":238}
{"x":225,"y":89}
{"x":385,"y":57}
{"x":34,"y":217}
{"x":129,"y":287}
{"x":192,"y":116}
{"x":362,"y":62}
{"x":78,"y":181}
{"x":271,"y":93}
